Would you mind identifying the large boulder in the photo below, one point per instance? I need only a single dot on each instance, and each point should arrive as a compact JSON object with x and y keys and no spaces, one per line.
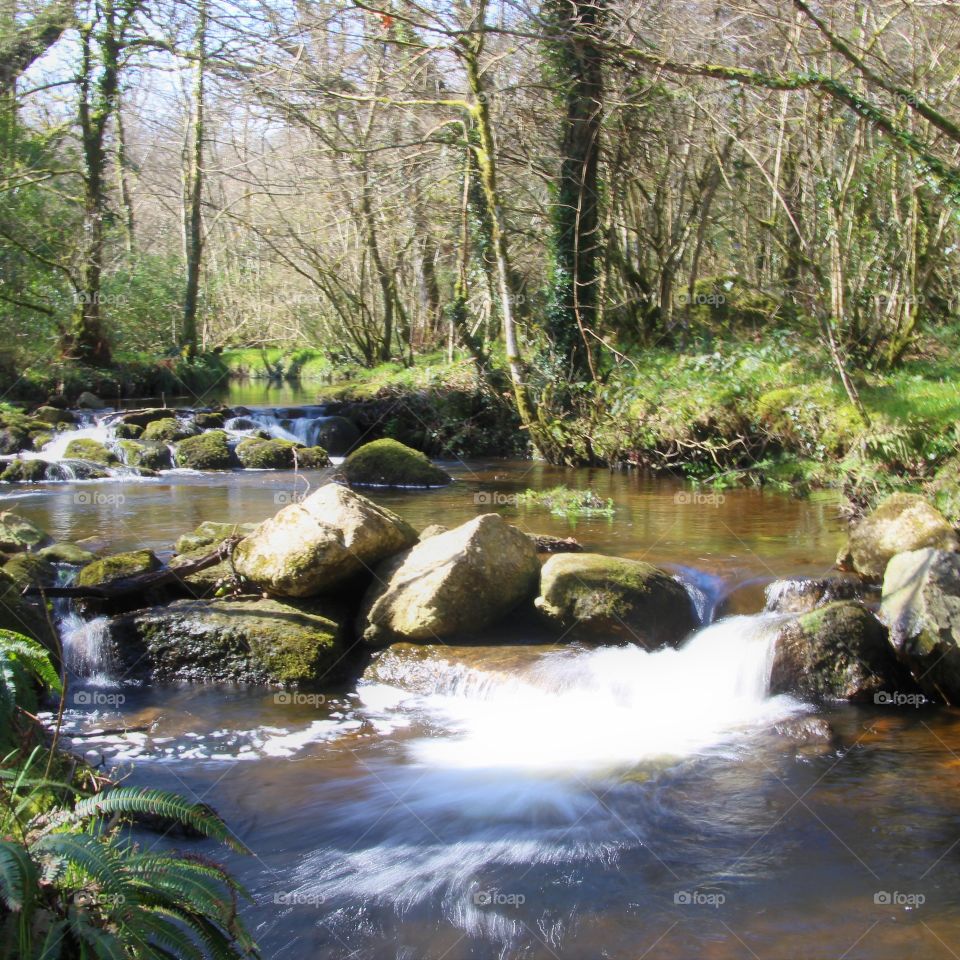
{"x":901,"y":523}
{"x":167,"y":430}
{"x":18,"y":535}
{"x":313,"y":546}
{"x":921,"y":605}
{"x":148,"y":454}
{"x":31,"y":570}
{"x":210,"y":419}
{"x":141,"y":418}
{"x":119,"y":566}
{"x":257,"y":454}
{"x":839,"y":652}
{"x":20,"y":615}
{"x":256,"y":641}
{"x":451,"y":584}
{"x":68,"y":553}
{"x":338,"y":435}
{"x":611,"y":599}
{"x":53,"y":416}
{"x":803,"y":595}
{"x":388,"y":463}
{"x":207,"y":451}
{"x":90,"y":401}
{"x":25,"y":471}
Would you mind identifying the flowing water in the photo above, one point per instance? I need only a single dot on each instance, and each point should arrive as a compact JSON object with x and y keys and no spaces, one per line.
{"x":522,"y":799}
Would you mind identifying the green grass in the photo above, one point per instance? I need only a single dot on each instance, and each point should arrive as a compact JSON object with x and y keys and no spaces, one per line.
{"x":565,"y":502}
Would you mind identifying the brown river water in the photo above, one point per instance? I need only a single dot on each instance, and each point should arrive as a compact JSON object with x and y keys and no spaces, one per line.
{"x":536,"y":801}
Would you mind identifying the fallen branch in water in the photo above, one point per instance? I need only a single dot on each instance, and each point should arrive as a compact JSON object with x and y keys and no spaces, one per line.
{"x":142,"y":581}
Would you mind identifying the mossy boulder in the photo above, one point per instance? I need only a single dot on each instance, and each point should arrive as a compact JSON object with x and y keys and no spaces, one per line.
{"x":254,"y":641}
{"x":450,"y":585}
{"x":127,"y":431}
{"x":254,"y":453}
{"x":614,"y":600}
{"x":839,"y":652}
{"x":151,"y":455}
{"x":119,"y":566}
{"x":14,"y":439}
{"x":210,"y":533}
{"x":167,"y":430}
{"x":389,"y":463}
{"x":67,"y":553}
{"x":921,"y":604}
{"x":39,"y":440}
{"x":901,"y":523}
{"x":90,"y":401}
{"x":311,"y":547}
{"x":18,"y":535}
{"x":209,"y":420}
{"x":312,"y":458}
{"x":53,"y":415}
{"x":83,"y":448}
{"x":805,"y":594}
{"x":207,"y":451}
{"x":20,"y":615}
{"x":338,"y":435}
{"x":31,"y":569}
{"x":141,"y":418}
{"x":25,"y":471}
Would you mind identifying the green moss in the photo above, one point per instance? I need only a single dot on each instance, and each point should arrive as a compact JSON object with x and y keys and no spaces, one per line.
{"x":210,"y":533}
{"x":312,"y":458}
{"x":388,"y":463}
{"x":18,"y":534}
{"x":255,"y":453}
{"x":210,"y":421}
{"x":120,"y":566}
{"x":167,"y":430}
{"x":127,"y":431}
{"x":148,"y":455}
{"x":30,"y":569}
{"x":52,"y":415}
{"x":67,"y":553}
{"x":92,"y":450}
{"x":208,"y":451}
{"x":25,"y":471}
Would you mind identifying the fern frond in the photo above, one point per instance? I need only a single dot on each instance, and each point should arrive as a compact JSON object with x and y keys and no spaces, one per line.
{"x":18,"y":876}
{"x":86,"y":854}
{"x":33,"y":655}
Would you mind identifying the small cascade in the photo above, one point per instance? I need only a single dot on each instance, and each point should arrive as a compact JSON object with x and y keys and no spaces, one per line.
{"x":582,"y":709}
{"x":301,"y":425}
{"x":85,"y":643}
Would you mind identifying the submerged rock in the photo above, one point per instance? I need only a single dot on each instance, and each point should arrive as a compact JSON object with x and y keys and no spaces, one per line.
{"x":839,"y":652}
{"x":311,"y":547}
{"x":210,"y":533}
{"x":207,"y":451}
{"x":84,"y":448}
{"x":388,"y":463}
{"x":256,"y":641}
{"x":67,"y":553}
{"x":921,"y":604}
{"x":18,"y":535}
{"x":901,"y":523}
{"x":119,"y":566}
{"x":614,"y":600}
{"x":451,"y":584}
{"x":802,"y":595}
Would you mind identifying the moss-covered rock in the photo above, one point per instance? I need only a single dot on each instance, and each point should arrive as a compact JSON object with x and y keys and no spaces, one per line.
{"x":127,"y":431}
{"x":314,"y":546}
{"x":614,"y":600}
{"x":210,"y":420}
{"x":901,"y":523}
{"x":167,"y":430}
{"x":31,"y":569}
{"x":141,"y":418}
{"x":210,"y":533}
{"x":207,"y":451}
{"x":119,"y":566}
{"x":20,"y":615}
{"x":839,"y":652}
{"x":90,"y":401}
{"x":93,"y":450}
{"x":13,"y":439}
{"x":921,"y":603}
{"x":803,"y":594}
{"x":67,"y":553}
{"x":258,"y":454}
{"x":151,"y":455}
{"x":312,"y":458}
{"x":53,"y":415}
{"x":25,"y":471}
{"x":39,"y":440}
{"x":18,"y":535}
{"x":388,"y":463}
{"x":452,"y":584}
{"x":255,"y":641}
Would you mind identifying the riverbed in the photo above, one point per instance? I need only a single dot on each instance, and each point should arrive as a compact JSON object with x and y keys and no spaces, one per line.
{"x":522,"y":799}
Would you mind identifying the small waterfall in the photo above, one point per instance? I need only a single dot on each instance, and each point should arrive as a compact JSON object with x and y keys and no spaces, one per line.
{"x":582,"y":709}
{"x":85,"y":643}
{"x":280,"y":425}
